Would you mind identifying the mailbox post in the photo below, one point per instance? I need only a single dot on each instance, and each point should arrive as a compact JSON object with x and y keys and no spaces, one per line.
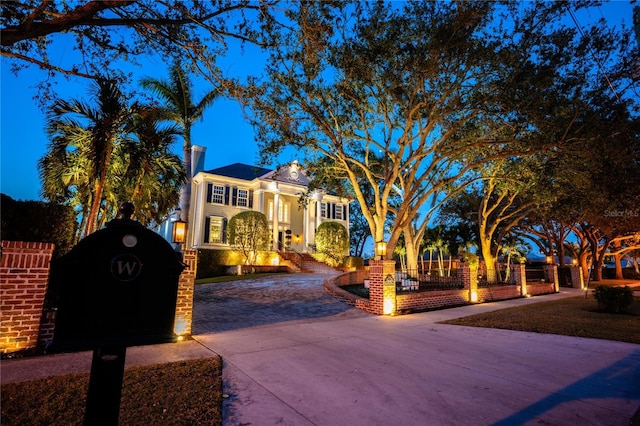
{"x":117,"y":287}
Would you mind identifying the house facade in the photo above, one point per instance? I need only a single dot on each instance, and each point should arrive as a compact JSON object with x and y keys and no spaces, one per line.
{"x":219,"y":194}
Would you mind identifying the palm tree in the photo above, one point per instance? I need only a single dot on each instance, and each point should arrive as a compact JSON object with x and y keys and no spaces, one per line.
{"x":184,"y":111}
{"x":151,"y":176}
{"x":94,"y":172}
{"x":82,"y":144}
{"x":513,"y":246}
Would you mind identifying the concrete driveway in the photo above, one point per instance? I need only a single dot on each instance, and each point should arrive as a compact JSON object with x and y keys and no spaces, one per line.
{"x":295,"y":356}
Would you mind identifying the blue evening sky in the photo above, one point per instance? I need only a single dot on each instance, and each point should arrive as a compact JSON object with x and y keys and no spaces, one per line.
{"x":224,"y":131}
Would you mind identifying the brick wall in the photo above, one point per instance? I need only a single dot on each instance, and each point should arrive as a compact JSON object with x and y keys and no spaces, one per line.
{"x":431,"y":299}
{"x":541,"y":288}
{"x":184,"y":305}
{"x":24,"y":273}
{"x":493,"y":293}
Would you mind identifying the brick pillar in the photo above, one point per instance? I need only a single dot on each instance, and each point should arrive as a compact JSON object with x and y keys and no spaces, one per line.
{"x":470,"y":280}
{"x":551,"y":276}
{"x":24,"y":274}
{"x":520,"y":277}
{"x":184,"y":304}
{"x":577,"y":280}
{"x":382,"y":287}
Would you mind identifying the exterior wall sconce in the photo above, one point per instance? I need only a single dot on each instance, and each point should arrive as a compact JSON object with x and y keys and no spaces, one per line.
{"x":179,"y":232}
{"x":381,"y":249}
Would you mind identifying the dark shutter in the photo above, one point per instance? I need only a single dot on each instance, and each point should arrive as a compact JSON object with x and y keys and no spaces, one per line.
{"x":344,"y":212}
{"x":251,"y":198}
{"x":226,"y":195}
{"x":234,"y":198}
{"x":333,"y":211}
{"x":224,"y":230}
{"x":209,"y":192}
{"x":207,"y":226}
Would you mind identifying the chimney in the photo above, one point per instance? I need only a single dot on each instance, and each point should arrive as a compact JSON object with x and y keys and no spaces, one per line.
{"x":197,"y":159}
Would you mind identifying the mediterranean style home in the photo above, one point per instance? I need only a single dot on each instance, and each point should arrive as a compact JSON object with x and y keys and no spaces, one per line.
{"x":219,"y":194}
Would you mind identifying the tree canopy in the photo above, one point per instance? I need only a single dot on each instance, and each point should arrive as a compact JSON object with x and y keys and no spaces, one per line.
{"x":107,"y":33}
{"x":408,"y":99}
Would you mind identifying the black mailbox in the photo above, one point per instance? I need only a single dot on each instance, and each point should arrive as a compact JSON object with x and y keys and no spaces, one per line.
{"x":117,"y":286}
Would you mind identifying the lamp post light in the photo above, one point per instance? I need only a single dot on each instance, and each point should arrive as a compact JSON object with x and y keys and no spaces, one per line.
{"x":381,"y":249}
{"x":179,"y":232}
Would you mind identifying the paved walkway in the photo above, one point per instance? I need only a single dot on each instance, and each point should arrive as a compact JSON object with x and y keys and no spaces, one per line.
{"x":294,"y":356}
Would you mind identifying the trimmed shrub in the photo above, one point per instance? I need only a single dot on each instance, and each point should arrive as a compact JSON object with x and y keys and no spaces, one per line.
{"x":248,"y":232}
{"x":613,"y":299}
{"x":332,"y":242}
{"x":353,"y":262}
{"x":214,"y":263}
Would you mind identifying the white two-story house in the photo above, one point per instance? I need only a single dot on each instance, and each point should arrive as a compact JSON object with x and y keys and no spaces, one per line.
{"x":219,"y":194}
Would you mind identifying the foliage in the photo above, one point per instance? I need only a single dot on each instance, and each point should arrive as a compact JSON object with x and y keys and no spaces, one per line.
{"x":407,"y":99}
{"x":184,"y":392}
{"x":180,"y":108}
{"x":353,"y":262}
{"x":332,"y":242}
{"x":248,"y":232}
{"x":38,"y":221}
{"x":102,"y":152}
{"x":214,"y":263}
{"x":613,"y":299}
{"x":108,"y":34}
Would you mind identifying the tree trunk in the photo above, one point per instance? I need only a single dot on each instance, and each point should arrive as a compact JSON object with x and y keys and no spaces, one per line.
{"x":185,"y":193}
{"x":489,"y":260}
{"x":412,"y":254}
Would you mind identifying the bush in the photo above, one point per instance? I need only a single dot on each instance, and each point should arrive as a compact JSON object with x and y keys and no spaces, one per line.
{"x":613,"y":299}
{"x":214,"y":263}
{"x":332,"y":242}
{"x":353,"y":262}
{"x":40,"y":222}
{"x":248,"y":232}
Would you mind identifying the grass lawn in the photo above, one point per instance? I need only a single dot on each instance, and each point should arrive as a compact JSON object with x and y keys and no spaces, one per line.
{"x":178,"y":393}
{"x":575,"y":316}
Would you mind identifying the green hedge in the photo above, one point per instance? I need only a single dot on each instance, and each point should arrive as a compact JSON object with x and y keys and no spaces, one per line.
{"x":214,"y":263}
{"x":353,"y":262}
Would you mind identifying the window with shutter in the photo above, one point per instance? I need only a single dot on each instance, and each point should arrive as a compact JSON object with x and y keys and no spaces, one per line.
{"x":215,"y":193}
{"x":338,"y":212}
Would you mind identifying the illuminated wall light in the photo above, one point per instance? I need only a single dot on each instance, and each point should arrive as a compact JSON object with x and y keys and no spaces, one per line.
{"x":474,"y":296}
{"x":179,"y":231}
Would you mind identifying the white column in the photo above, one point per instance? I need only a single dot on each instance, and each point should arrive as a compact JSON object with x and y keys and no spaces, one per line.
{"x":276,"y":208}
{"x":196,"y":221}
{"x":305,"y":229}
{"x":261,"y":208}
{"x":347,"y":218}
